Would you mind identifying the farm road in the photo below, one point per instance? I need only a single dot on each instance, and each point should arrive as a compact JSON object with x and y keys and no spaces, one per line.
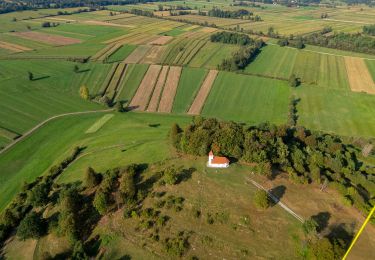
{"x":31,"y":131}
{"x":277,"y":201}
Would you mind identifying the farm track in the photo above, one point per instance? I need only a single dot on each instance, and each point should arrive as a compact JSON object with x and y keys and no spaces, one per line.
{"x":35,"y":128}
{"x":204,"y":91}
{"x":154,"y":102}
{"x":170,"y":89}
{"x":144,"y":91}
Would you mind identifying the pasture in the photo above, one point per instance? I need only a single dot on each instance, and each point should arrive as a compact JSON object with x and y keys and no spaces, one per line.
{"x":248,"y":99}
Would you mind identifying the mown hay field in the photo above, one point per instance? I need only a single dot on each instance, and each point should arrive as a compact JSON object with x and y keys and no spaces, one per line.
{"x":25,"y":103}
{"x":248,"y":99}
{"x":190,"y":81}
{"x":340,"y":112}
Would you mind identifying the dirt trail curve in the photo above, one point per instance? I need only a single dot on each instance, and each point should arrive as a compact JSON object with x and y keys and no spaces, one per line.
{"x":277,"y":201}
{"x":31,"y":131}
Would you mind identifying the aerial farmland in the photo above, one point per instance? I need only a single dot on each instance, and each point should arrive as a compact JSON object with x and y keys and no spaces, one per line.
{"x":108,"y":112}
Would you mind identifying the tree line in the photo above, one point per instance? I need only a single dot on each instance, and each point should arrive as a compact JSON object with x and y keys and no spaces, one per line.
{"x":369,"y":29}
{"x":307,"y":156}
{"x":231,"y":38}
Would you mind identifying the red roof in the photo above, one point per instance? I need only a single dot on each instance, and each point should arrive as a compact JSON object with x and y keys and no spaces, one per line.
{"x":219,"y":160}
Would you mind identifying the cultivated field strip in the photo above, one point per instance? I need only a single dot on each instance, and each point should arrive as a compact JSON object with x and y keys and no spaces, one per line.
{"x":162,"y":40}
{"x":108,"y":79}
{"x":47,"y":38}
{"x":144,"y":91}
{"x":154,"y":102}
{"x":360,"y":79}
{"x":154,"y":55}
{"x":170,"y":89}
{"x":106,"y":52}
{"x":13,"y":47}
{"x":137,"y":54}
{"x":116,"y":81}
{"x":203,"y":93}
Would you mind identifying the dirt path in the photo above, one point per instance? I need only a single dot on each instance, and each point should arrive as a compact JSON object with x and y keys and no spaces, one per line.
{"x":144,"y":91}
{"x":154,"y":102}
{"x":359,"y":77}
{"x":32,"y":130}
{"x":170,"y":89}
{"x":277,"y":201}
{"x":202,"y":95}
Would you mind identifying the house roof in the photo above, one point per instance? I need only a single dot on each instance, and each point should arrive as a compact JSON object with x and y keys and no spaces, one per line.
{"x":219,"y":160}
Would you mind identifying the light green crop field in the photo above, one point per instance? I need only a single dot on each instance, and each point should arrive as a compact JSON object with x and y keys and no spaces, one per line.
{"x":248,"y":99}
{"x":25,"y":103}
{"x":190,"y":81}
{"x":340,"y":112}
{"x":99,"y":124}
{"x":273,"y":61}
{"x":133,"y":78}
{"x":371,"y":68}
{"x":121,"y":53}
{"x":205,"y":54}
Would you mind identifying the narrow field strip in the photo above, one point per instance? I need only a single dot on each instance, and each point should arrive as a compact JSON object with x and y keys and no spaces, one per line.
{"x":137,"y":54}
{"x":13,"y":47}
{"x":47,"y":38}
{"x":203,"y":93}
{"x":162,"y":40}
{"x":142,"y":96}
{"x":170,"y":89}
{"x":154,"y":102}
{"x":106,"y":52}
{"x":154,"y":55}
{"x":360,"y":79}
{"x":117,"y":79}
{"x":99,"y":124}
{"x":108,"y":79}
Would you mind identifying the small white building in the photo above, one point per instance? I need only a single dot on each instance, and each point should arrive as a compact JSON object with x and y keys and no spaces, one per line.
{"x":217,"y":161}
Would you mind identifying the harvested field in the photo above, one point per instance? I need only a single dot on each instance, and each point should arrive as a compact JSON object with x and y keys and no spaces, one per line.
{"x":13,"y":47}
{"x":108,"y":24}
{"x":154,"y":55}
{"x":162,"y":40}
{"x":208,"y":30}
{"x":154,"y":102}
{"x":142,"y":96}
{"x":47,"y":38}
{"x":202,"y":95}
{"x":170,"y":89}
{"x":137,"y":54}
{"x":360,"y":79}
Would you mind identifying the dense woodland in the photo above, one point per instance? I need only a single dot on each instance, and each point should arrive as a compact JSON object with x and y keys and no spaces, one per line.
{"x":231,"y":38}
{"x":308,"y":157}
{"x":240,"y":13}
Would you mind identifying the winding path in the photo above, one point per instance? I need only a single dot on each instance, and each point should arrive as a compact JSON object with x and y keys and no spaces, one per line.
{"x":32,"y":130}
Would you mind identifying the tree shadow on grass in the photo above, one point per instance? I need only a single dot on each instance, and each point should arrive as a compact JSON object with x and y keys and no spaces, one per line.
{"x":40,"y":78}
{"x":322,"y":220}
{"x":185,"y":175}
{"x":277,"y":192}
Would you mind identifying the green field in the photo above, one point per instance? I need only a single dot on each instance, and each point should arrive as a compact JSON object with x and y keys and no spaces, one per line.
{"x":25,"y":103}
{"x":190,"y":81}
{"x":133,"y":78}
{"x":121,"y":53}
{"x":273,"y":61}
{"x":248,"y":99}
{"x":334,"y":111}
{"x":371,"y":68}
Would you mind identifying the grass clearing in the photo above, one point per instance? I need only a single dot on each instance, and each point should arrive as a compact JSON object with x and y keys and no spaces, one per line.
{"x":99,"y":124}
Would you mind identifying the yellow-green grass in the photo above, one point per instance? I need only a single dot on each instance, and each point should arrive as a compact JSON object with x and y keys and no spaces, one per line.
{"x":248,"y":99}
{"x":205,"y":54}
{"x":225,"y":52}
{"x":134,"y":137}
{"x":133,"y":77}
{"x":336,"y":111}
{"x":99,"y":123}
{"x":8,"y":134}
{"x":323,"y":70}
{"x":371,"y":68}
{"x":121,"y":53}
{"x":331,"y":51}
{"x":24,"y":103}
{"x":21,"y":41}
{"x":190,"y":81}
{"x":273,"y":61}
{"x":3,"y":142}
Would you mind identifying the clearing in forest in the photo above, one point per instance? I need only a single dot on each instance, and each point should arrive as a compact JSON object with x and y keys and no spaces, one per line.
{"x":142,"y":96}
{"x":202,"y":95}
{"x":360,"y":79}
{"x":137,"y":54}
{"x":13,"y":47}
{"x":170,"y":89}
{"x":47,"y":38}
{"x":154,"y":102}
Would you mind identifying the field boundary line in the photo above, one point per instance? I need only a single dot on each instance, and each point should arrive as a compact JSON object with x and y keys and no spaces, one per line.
{"x":32,"y":130}
{"x":277,"y":200}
